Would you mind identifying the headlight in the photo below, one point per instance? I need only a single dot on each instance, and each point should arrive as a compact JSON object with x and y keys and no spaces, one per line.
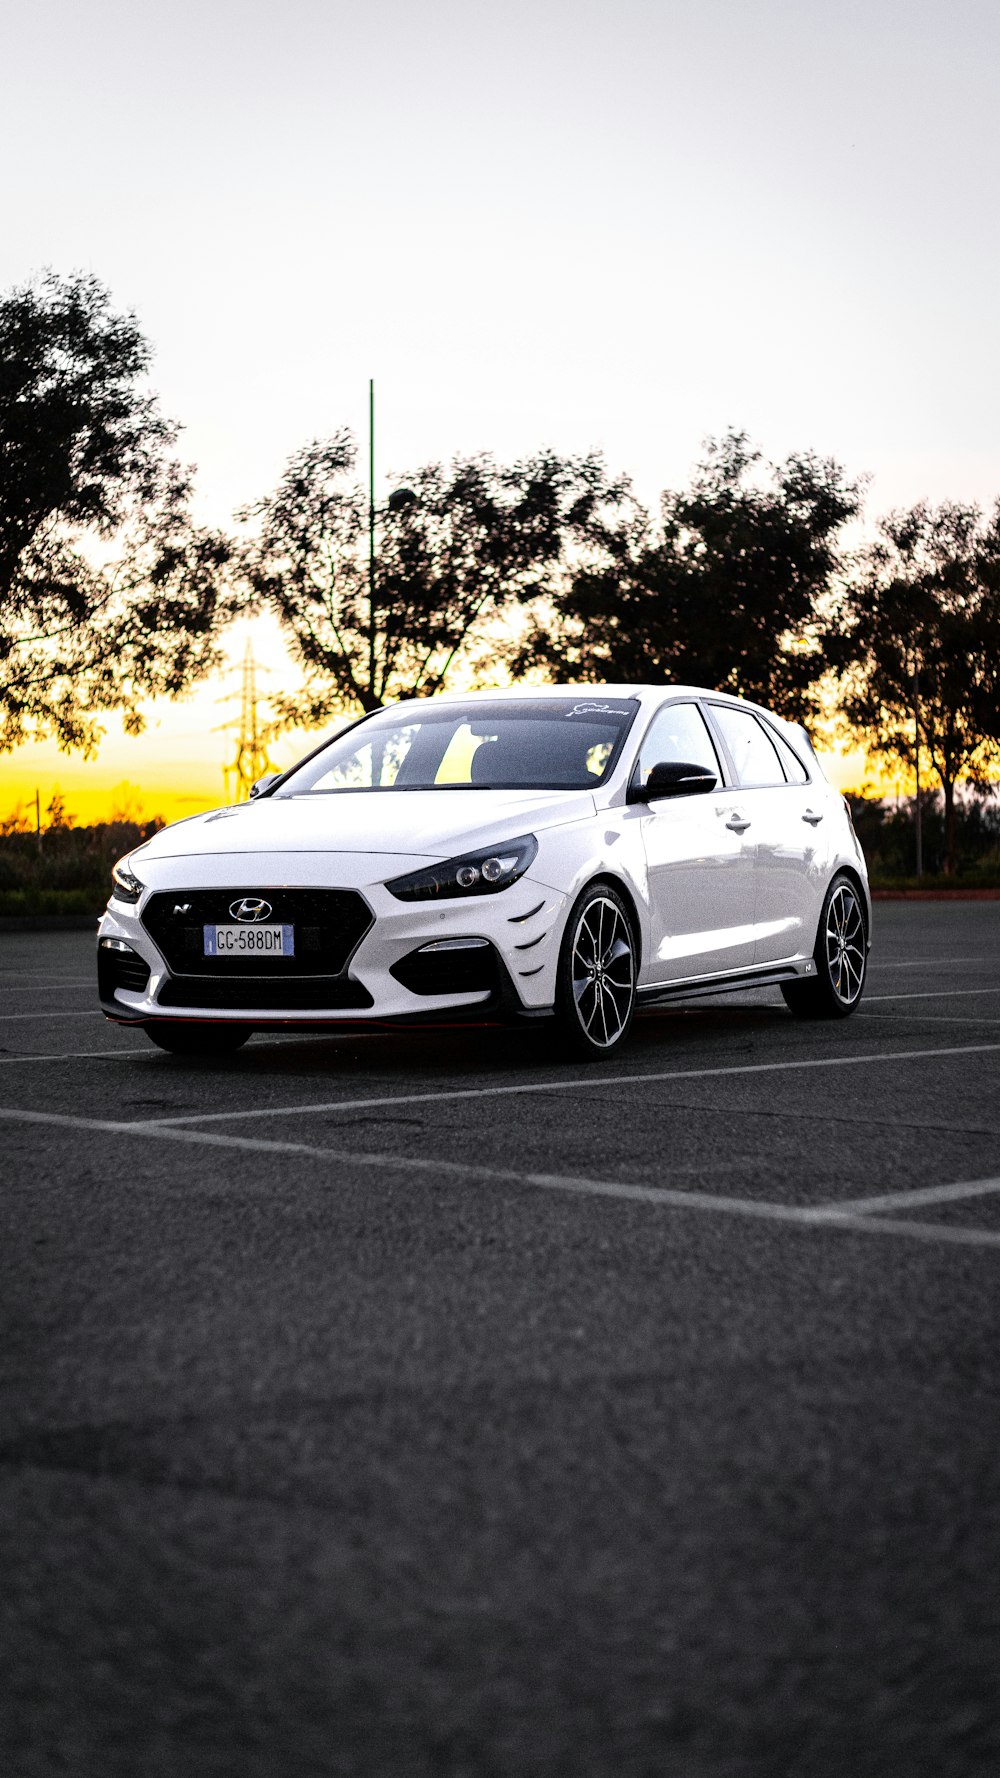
{"x":475,"y":873}
{"x":127,"y":886}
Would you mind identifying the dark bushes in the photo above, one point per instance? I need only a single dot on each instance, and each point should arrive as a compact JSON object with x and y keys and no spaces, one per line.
{"x":69,"y":871}
{"x":887,"y":834}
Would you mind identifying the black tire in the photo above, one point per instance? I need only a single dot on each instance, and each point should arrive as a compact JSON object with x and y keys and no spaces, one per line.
{"x":598,"y":965}
{"x":840,"y":956}
{"x":196,"y":1039}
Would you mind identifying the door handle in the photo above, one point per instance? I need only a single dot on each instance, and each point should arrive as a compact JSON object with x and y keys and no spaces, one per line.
{"x":738,"y":823}
{"x":812,"y":817}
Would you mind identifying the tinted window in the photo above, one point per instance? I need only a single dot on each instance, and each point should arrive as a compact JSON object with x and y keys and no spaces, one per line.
{"x":754,"y":755}
{"x":795,"y":771}
{"x":678,"y":733}
{"x":530,"y":744}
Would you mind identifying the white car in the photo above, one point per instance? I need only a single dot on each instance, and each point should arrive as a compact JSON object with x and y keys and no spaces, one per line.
{"x":563,"y":852}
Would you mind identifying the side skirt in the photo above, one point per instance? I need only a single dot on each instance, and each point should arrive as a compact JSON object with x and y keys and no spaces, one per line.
{"x":700,"y":987}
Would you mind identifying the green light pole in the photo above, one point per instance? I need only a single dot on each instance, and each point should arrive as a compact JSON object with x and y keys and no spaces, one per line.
{"x":371,"y":535}
{"x":916,"y":752}
{"x":371,"y":486}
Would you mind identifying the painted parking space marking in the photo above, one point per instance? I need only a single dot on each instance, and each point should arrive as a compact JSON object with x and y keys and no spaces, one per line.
{"x":918,"y":1231}
{"x":931,"y":962}
{"x":46,"y":987}
{"x":119,"y":1055}
{"x":821,"y":1217}
{"x":590,"y":1083}
{"x":8,"y":1018}
{"x":928,"y":1194}
{"x":928,"y":1018}
{"x":149,"y":1053}
{"x":933,"y":994}
{"x":27,"y":980}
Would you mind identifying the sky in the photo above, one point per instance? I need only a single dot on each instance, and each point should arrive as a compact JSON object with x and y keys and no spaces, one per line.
{"x":611,"y":224}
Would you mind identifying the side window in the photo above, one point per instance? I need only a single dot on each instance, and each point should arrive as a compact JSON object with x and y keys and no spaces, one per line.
{"x":754,"y":755}
{"x":678,"y":732}
{"x":795,"y":771}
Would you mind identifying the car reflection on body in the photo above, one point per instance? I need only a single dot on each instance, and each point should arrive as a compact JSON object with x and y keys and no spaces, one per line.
{"x":559,"y":853}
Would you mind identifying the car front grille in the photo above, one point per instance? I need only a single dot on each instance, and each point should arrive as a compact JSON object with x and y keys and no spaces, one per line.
{"x":329,"y":924}
{"x":238,"y":994}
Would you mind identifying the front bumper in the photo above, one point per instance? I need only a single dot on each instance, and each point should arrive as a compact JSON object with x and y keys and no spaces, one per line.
{"x":382,"y":980}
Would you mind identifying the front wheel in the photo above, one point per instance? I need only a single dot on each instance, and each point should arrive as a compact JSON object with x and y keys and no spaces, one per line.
{"x":841,"y":958}
{"x":196,"y":1039}
{"x":595,"y":991}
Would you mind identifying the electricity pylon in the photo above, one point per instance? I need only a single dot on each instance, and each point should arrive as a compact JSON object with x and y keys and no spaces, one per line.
{"x":252,"y":759}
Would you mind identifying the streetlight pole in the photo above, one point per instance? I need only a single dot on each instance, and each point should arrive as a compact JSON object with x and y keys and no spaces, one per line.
{"x":371,"y":486}
{"x":916,"y":752}
{"x":371,"y":535}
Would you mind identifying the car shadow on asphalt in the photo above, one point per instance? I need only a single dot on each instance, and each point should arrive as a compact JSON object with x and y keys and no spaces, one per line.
{"x":467,"y":1049}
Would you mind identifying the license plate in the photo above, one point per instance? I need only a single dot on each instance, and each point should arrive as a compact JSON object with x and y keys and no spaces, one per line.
{"x":250,"y":941}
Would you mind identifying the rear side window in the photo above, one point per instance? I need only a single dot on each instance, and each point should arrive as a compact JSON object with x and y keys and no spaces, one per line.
{"x":795,"y":771}
{"x":678,"y":734}
{"x":754,"y":754}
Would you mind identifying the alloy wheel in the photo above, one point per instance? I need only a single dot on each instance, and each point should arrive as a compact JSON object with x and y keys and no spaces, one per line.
{"x":603,"y":971}
{"x":845,"y":944}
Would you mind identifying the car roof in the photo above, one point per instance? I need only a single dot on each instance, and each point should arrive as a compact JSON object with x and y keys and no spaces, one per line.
{"x":646,"y":694}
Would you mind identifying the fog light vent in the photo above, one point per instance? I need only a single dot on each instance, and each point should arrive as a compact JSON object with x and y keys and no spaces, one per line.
{"x":118,"y":966}
{"x":449,"y":966}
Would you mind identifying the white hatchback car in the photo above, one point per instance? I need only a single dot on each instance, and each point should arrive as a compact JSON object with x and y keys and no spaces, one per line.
{"x":568,"y":852}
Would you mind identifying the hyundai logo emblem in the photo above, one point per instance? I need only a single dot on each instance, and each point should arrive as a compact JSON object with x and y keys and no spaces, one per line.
{"x":250,"y":908}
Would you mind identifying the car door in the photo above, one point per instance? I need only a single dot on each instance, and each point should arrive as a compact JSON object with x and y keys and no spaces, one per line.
{"x":700,"y":867}
{"x":783,"y":816}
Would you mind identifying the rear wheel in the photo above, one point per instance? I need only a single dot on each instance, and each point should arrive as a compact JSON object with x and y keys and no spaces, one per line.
{"x":841,"y":959}
{"x":196,"y":1039}
{"x":595,"y":993}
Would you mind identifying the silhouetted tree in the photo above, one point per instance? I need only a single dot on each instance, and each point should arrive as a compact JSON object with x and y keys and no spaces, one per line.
{"x":722,"y":591}
{"x":108,"y":591}
{"x":916,"y":635}
{"x":453,"y":548}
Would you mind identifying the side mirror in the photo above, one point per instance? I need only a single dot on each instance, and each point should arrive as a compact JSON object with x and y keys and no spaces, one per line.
{"x":674,"y":777}
{"x":262,"y":784}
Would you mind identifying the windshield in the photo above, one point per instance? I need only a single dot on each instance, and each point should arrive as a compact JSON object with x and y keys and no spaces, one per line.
{"x":567,"y":743}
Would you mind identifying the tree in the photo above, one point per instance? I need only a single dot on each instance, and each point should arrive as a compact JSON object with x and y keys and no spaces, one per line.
{"x":916,"y":636}
{"x":108,"y":591}
{"x":452,"y":549}
{"x":724,"y":591}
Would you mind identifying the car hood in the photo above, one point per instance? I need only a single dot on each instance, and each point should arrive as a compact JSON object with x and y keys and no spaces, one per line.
{"x":417,"y":823}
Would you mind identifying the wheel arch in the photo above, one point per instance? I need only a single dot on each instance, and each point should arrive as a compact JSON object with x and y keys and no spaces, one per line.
{"x":621,"y":889}
{"x":855,"y":878}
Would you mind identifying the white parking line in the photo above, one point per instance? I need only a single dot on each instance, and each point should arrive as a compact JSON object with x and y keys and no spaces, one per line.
{"x":147,"y":1053}
{"x":47,"y":987}
{"x":933,"y":994}
{"x":821,"y":1217}
{"x":121,"y":1055}
{"x":929,"y":962}
{"x":918,"y":1231}
{"x":929,"y":1194}
{"x":30,"y":974}
{"x":93,"y":1012}
{"x":589,"y":1083}
{"x":927,"y":1018}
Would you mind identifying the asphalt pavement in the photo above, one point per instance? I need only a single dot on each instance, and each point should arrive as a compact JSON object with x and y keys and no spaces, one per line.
{"x":423,"y":1403}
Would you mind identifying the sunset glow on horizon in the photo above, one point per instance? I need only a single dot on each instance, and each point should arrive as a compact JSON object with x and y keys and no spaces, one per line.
{"x":177,"y":766}
{"x":597,"y":228}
